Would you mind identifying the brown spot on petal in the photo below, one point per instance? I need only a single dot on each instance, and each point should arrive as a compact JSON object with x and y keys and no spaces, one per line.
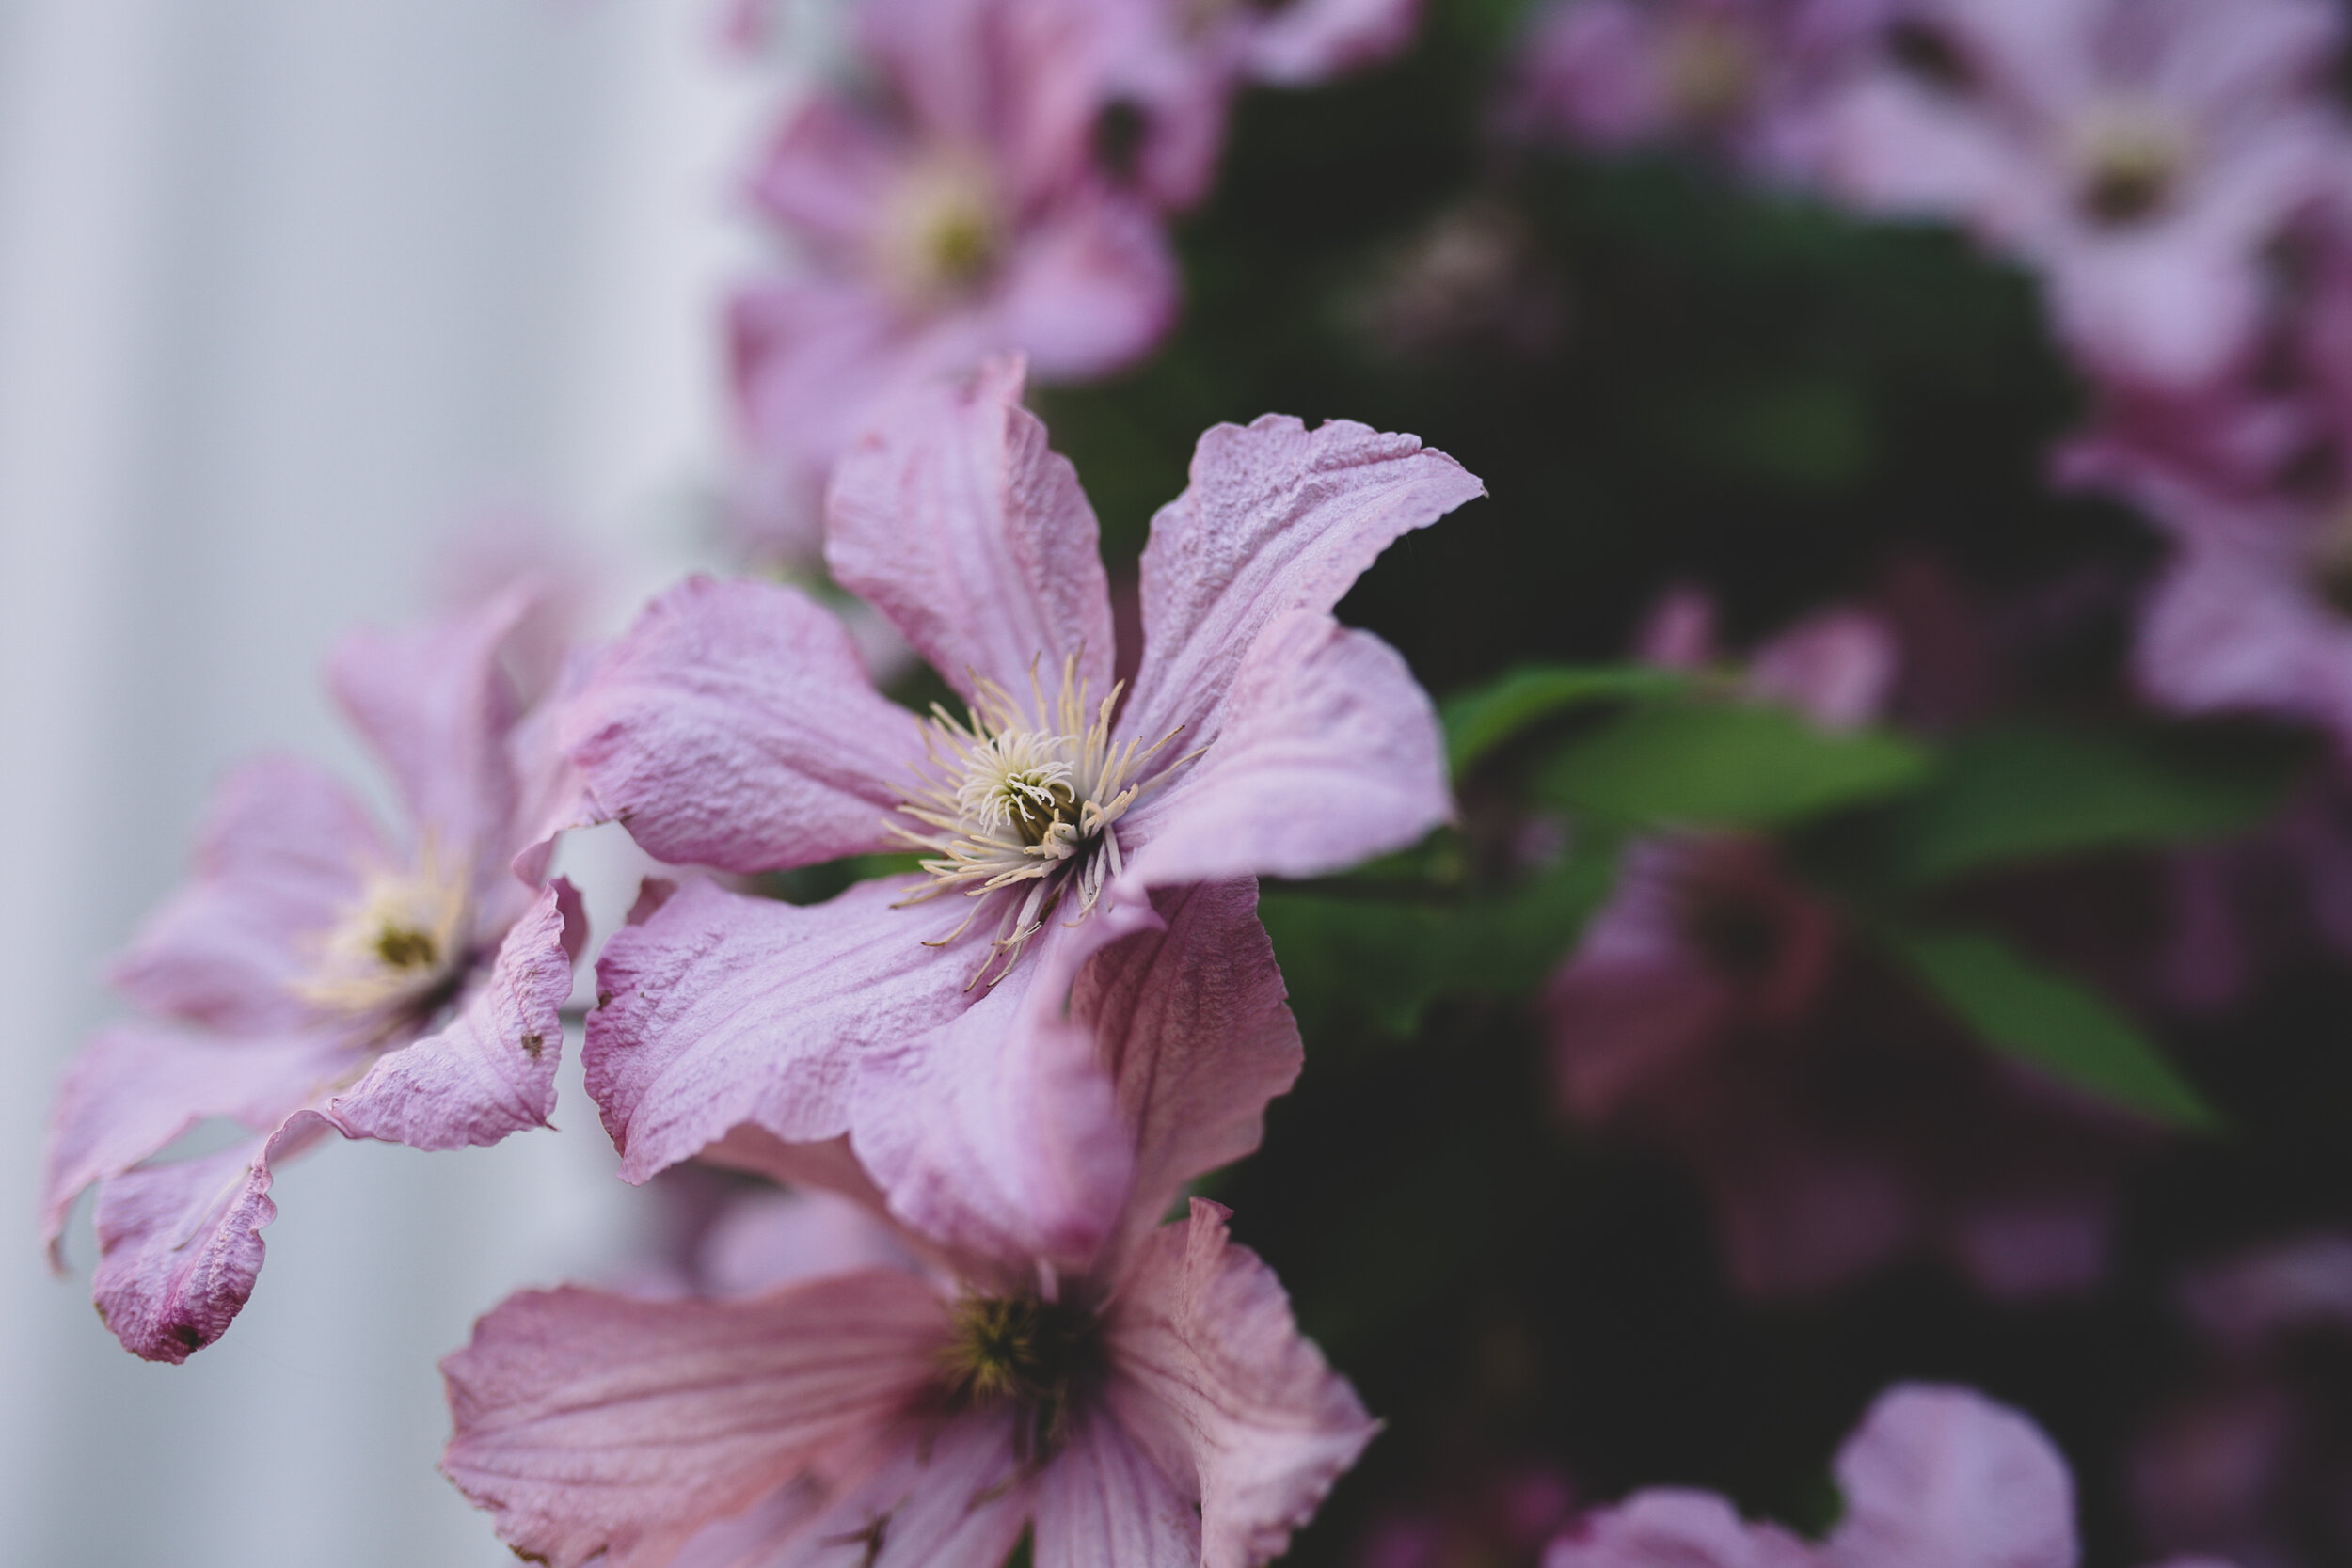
{"x":187,"y":1336}
{"x":533,"y":1045}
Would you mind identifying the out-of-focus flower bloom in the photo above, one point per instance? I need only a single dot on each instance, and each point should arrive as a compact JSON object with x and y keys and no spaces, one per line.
{"x":1932,"y":1475}
{"x":959,"y":214}
{"x":2253,"y":1462}
{"x":2143,"y":155}
{"x":1149,"y":1404}
{"x":1471,"y":280}
{"x":1716,"y":1007}
{"x":734,"y":728}
{"x":318,"y":975}
{"x":1739,"y":78}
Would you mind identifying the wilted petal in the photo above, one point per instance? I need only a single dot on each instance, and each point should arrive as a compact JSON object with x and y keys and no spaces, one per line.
{"x":179,"y":1244}
{"x":136,"y":1086}
{"x":1329,"y":754}
{"x":1212,"y":1378}
{"x":1277,"y":519}
{"x":587,"y":1422}
{"x":733,"y":726}
{"x":280,"y":859}
{"x":1944,"y":1478}
{"x":1103,"y":1501}
{"x":436,"y":705}
{"x":1192,"y":1025}
{"x":1670,"y":1528}
{"x":962,"y":525}
{"x":956,"y":1499}
{"x":722,"y":1010}
{"x":490,"y":1070}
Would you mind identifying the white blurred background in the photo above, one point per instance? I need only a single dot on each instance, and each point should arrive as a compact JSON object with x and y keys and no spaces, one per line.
{"x":288,"y":286}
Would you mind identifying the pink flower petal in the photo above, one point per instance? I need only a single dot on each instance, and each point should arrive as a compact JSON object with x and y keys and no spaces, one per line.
{"x":1312,"y":40}
{"x":722,"y":1010}
{"x":591,"y":1423}
{"x":1101,"y":1501}
{"x":1213,"y":1379}
{"x":1942,"y":1475}
{"x":136,"y":1086}
{"x":1329,"y":752}
{"x":1277,"y":519}
{"x":826,"y":174}
{"x":1671,"y":1528}
{"x":959,"y":524}
{"x":490,"y":1070}
{"x":954,"y":1499}
{"x":1091,"y":288}
{"x":733,"y":726}
{"x":179,"y":1244}
{"x":278,"y":859}
{"x":1192,"y":1022}
{"x":436,"y":705}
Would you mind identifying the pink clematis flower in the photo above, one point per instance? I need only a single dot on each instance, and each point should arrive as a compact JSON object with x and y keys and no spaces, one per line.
{"x":318,"y":974}
{"x":732,"y":727}
{"x":1933,"y":1475}
{"x":1717,"y":1008}
{"x":1150,"y":1404}
{"x":2144,"y":155}
{"x":961,"y":216}
{"x":1739,"y":78}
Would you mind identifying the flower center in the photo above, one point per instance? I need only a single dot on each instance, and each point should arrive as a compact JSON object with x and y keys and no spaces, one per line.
{"x":1034,"y":1355}
{"x":1026,"y":800}
{"x":396,"y":947}
{"x":2131,"y":156}
{"x":943,"y":230}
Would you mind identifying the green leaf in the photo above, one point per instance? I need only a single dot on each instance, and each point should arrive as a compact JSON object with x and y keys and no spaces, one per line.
{"x":2015,"y":793}
{"x":1478,"y":721}
{"x":2053,"y":1024}
{"x":1724,"y":765}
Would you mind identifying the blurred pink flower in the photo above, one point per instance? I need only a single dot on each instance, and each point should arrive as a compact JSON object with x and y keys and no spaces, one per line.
{"x":957,"y":213}
{"x":732,"y":727}
{"x":317,"y":974}
{"x":1933,"y":1476}
{"x":1716,"y":1007}
{"x":1150,"y":1402}
{"x":1737,"y":77}
{"x":2143,"y":155}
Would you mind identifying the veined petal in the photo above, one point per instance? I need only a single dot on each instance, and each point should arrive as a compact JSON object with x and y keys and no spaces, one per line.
{"x":179,"y":1244}
{"x":722,"y":1010}
{"x":280,"y":856}
{"x":1210,"y":1375}
{"x":733,"y":726}
{"x":959,"y":523}
{"x":591,"y":1423}
{"x":490,"y":1070}
{"x":956,"y":1499}
{"x":1104,"y":1502}
{"x":1672,"y":1525}
{"x":1329,"y":754}
{"x":136,"y":1086}
{"x":1277,"y":519}
{"x":436,"y":705}
{"x":1936,"y":1476}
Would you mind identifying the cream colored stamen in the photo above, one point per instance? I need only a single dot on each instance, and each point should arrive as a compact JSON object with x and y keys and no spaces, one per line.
{"x":398,"y":943}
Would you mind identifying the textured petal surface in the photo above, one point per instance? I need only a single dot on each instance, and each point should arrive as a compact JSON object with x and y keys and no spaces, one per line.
{"x":436,"y":705}
{"x":960,"y":524}
{"x":136,"y":1086}
{"x":1192,"y":1023}
{"x":1212,"y":1378}
{"x":724,"y":1009}
{"x":950,"y":1499}
{"x":1104,"y":1502}
{"x":1944,"y":1478}
{"x":278,"y":859}
{"x":1277,"y":518}
{"x":1329,"y":754}
{"x":490,"y":1070}
{"x":179,"y":1246}
{"x":733,"y":726}
{"x":1669,"y":1528}
{"x":587,"y":1422}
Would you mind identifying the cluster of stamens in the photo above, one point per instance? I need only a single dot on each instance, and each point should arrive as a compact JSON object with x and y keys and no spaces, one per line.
{"x":1026,"y":801}
{"x":1035,"y":1356}
{"x":395,"y":947}
{"x":2132,"y":156}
